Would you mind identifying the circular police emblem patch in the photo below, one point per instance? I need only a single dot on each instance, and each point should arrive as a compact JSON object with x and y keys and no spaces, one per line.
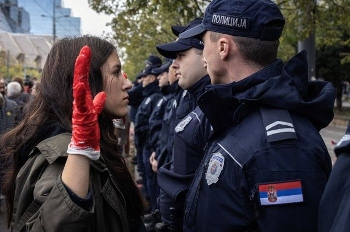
{"x":147,"y":101}
{"x":216,"y":164}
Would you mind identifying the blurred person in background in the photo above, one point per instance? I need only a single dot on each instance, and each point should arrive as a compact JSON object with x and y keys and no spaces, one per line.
{"x":25,"y":95}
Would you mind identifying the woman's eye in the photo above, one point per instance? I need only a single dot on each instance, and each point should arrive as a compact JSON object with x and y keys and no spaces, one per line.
{"x":116,"y":73}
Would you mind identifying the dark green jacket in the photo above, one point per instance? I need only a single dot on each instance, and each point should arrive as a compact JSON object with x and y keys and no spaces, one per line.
{"x":43,"y":204}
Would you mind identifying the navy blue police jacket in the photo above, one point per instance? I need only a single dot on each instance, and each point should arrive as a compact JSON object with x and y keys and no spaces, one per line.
{"x":151,"y":95}
{"x":191,"y":135}
{"x":156,"y":119}
{"x":181,"y":105}
{"x":169,"y":109}
{"x":135,"y":99}
{"x":266,"y":165}
{"x":334,"y":213}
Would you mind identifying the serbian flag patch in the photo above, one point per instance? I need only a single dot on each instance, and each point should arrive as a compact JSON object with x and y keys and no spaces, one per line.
{"x":280,"y":193}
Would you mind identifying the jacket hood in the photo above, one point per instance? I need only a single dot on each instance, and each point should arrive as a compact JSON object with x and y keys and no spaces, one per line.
{"x":283,"y":86}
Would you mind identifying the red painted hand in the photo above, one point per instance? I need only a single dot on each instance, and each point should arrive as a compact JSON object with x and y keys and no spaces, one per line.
{"x":85,"y":128}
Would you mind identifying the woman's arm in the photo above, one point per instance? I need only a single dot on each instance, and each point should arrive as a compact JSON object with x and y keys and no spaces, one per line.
{"x":85,"y":143}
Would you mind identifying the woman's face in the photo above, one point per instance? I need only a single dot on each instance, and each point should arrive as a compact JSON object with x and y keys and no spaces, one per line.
{"x":115,"y":86}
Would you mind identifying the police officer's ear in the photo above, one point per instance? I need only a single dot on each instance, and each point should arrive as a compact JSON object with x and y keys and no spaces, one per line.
{"x":153,"y":78}
{"x":224,"y":46}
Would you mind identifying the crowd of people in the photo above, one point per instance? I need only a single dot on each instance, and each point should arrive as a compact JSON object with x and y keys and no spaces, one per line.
{"x":15,"y":95}
{"x":225,"y":135}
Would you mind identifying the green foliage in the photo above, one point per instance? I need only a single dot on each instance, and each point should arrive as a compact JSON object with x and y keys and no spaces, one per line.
{"x":140,"y":25}
{"x":329,"y":66}
{"x":17,"y":71}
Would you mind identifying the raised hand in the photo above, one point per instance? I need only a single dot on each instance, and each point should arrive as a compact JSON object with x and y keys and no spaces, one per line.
{"x":85,"y":129}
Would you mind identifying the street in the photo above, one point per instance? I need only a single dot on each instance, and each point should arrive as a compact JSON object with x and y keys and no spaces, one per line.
{"x":332,"y":133}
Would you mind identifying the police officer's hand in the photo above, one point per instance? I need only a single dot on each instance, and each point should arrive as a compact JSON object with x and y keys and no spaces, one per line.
{"x":154,"y":162}
{"x":85,"y":129}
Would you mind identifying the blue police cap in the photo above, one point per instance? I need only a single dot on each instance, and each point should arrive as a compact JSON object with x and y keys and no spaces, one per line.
{"x":163,"y":68}
{"x":147,"y":71}
{"x":177,"y":29}
{"x":258,"y":19}
{"x":169,"y":50}
{"x":153,"y":60}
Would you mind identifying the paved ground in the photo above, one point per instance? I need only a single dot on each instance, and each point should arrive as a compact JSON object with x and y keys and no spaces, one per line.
{"x":331,"y":135}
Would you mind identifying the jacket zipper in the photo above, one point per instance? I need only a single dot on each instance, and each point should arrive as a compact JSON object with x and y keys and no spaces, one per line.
{"x":126,"y":209}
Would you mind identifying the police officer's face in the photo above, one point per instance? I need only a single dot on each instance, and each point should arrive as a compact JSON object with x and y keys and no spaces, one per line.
{"x":172,"y":74}
{"x":147,"y":79}
{"x":189,"y":67}
{"x":213,"y":58}
{"x":163,"y":79}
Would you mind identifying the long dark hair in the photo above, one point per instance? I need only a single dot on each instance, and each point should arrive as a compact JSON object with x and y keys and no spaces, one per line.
{"x":53,"y":104}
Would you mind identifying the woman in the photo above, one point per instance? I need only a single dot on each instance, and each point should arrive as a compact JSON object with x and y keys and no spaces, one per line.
{"x":87,"y":187}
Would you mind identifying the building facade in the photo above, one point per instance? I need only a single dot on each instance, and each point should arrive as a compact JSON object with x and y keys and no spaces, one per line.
{"x":28,"y":28}
{"x":49,"y":17}
{"x":13,"y":18}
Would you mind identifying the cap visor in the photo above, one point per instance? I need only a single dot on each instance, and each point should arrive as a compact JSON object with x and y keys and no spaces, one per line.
{"x":163,"y":68}
{"x":169,"y":50}
{"x":193,"y":32}
{"x":177,"y":29}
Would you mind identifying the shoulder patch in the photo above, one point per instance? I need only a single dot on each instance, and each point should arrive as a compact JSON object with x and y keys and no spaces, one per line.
{"x":175,"y":104}
{"x":160,"y":102}
{"x":181,"y":126}
{"x":215,"y":167}
{"x":147,"y":100}
{"x":184,"y":93}
{"x":279,"y":193}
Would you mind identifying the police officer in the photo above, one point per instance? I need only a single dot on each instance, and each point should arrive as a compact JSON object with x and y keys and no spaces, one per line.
{"x":152,"y":94}
{"x":177,"y":107}
{"x":191,"y":133}
{"x":135,"y":93}
{"x":266,"y":165}
{"x":157,"y":116}
{"x":334,"y":213}
{"x":136,"y":97}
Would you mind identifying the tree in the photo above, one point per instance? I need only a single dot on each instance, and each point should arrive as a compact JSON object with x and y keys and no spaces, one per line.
{"x":139,"y":25}
{"x":10,"y":68}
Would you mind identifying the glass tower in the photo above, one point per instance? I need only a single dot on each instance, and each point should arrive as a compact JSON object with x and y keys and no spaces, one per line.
{"x":45,"y":19}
